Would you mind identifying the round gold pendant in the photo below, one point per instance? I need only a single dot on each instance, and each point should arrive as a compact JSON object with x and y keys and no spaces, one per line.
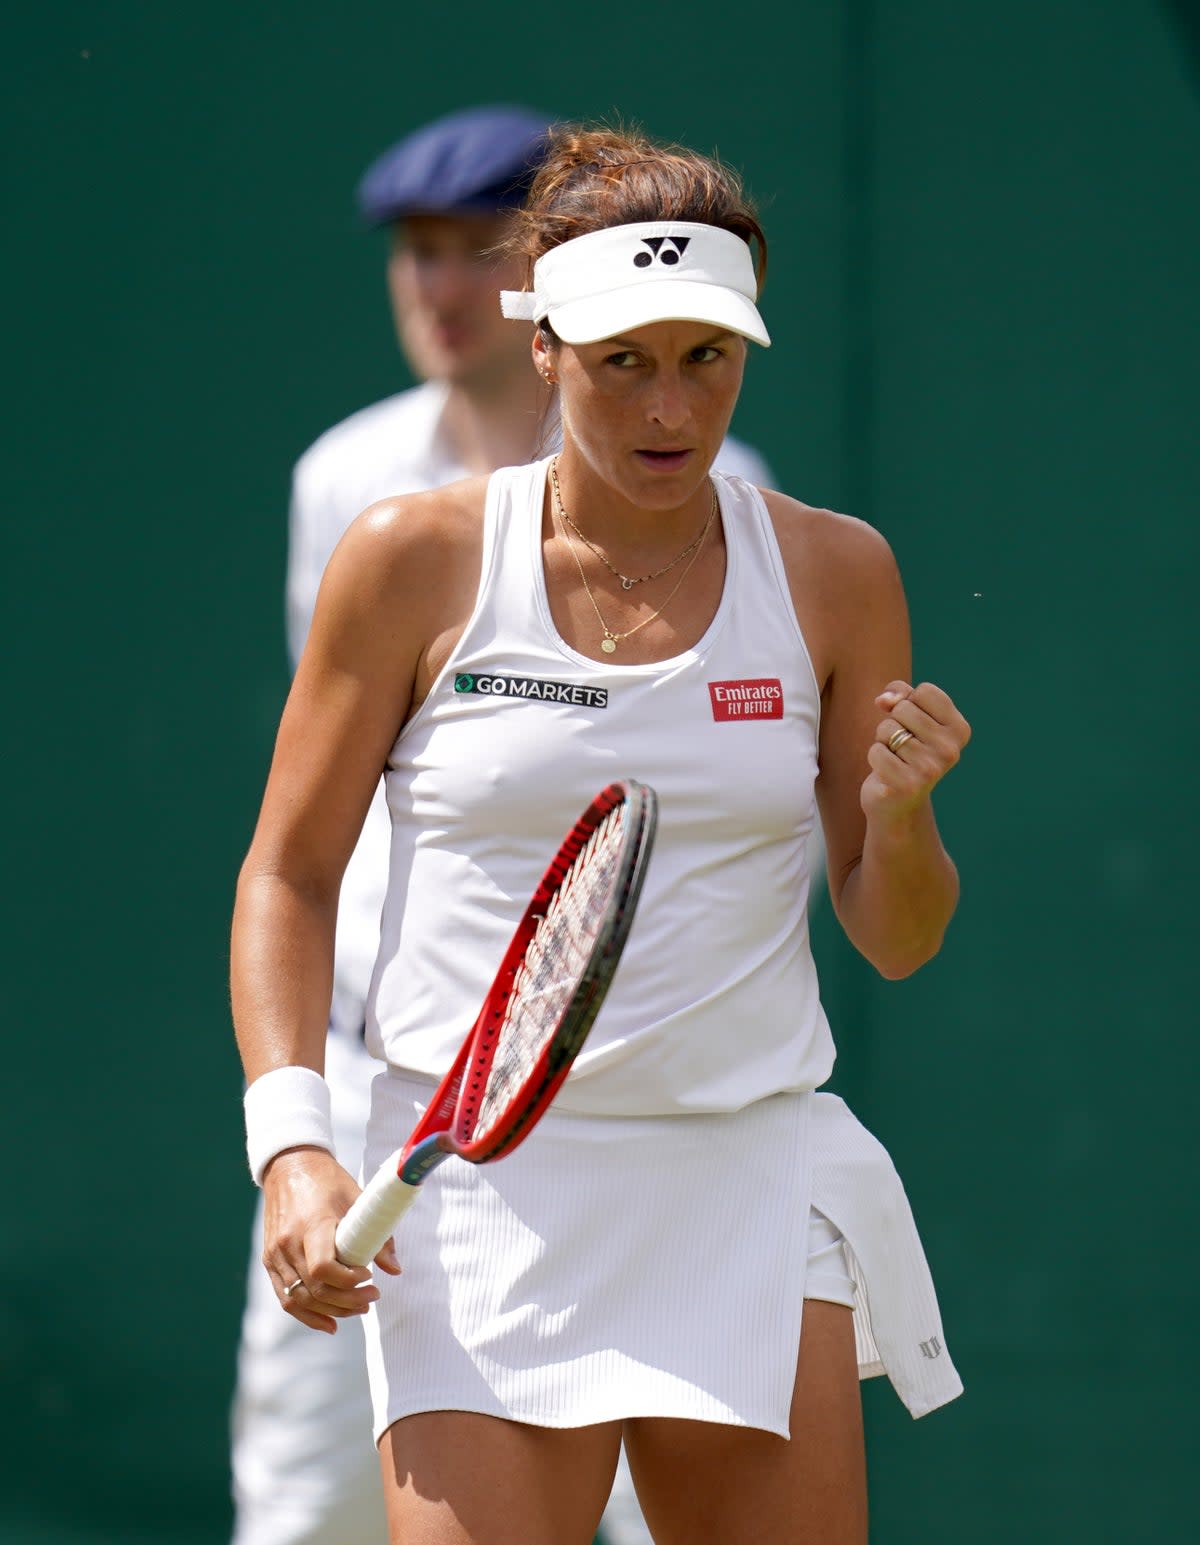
{"x":609,"y":645}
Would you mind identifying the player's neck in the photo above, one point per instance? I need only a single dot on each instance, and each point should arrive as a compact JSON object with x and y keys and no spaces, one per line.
{"x":498,"y":423}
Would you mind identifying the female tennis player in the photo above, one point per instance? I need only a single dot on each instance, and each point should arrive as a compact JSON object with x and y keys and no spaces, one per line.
{"x":694,"y":1249}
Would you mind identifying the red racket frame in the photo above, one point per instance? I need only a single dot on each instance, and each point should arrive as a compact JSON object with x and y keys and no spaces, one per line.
{"x":447,"y":1127}
{"x":448,"y":1123}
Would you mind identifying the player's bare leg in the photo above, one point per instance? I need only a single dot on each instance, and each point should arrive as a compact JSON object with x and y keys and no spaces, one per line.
{"x":457,"y":1478}
{"x":701,"y":1483}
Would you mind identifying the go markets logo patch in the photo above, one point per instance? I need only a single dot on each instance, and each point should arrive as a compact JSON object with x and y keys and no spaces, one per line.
{"x":532,"y":688}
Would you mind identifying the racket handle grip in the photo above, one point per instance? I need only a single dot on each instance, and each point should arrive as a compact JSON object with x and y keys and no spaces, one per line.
{"x":372,"y":1219}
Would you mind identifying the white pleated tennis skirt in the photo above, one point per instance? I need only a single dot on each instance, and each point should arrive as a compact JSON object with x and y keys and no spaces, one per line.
{"x":619,"y":1267}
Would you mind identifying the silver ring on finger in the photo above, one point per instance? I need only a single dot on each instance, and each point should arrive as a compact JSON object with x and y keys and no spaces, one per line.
{"x":898,"y":738}
{"x":288,"y":1291}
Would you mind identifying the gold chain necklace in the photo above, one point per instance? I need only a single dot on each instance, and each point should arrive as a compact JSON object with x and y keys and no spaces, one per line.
{"x":610,"y":640}
{"x":626,"y":582}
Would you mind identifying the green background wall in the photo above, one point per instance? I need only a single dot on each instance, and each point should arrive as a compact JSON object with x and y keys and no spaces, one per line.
{"x":984,"y":299}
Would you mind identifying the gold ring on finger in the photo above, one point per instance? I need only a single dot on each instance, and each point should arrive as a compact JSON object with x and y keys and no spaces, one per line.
{"x":899,"y":738}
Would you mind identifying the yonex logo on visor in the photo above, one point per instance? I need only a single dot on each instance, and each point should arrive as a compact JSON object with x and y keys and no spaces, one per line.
{"x":627,"y":276}
{"x":669,"y":254}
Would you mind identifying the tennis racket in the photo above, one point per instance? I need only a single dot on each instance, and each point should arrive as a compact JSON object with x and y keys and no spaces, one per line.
{"x":535,"y":1018}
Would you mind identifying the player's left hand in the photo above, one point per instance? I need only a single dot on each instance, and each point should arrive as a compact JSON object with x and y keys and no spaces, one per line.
{"x":917,"y":741}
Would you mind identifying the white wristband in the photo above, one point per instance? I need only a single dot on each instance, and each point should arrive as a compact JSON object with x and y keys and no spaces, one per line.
{"x":286,"y":1108}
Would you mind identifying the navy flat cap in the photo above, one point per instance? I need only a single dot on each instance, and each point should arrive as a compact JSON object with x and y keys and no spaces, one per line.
{"x":478,"y":160}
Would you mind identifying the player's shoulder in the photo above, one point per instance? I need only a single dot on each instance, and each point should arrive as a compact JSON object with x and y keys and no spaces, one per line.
{"x":432,"y":519}
{"x":839,"y":544}
{"x":402,"y":552}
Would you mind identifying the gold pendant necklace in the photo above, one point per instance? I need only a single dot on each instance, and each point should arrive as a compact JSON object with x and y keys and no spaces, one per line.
{"x":610,"y":640}
{"x":626,"y":582}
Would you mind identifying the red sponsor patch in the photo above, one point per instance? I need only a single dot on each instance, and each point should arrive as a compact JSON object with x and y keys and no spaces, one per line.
{"x":760,"y":698}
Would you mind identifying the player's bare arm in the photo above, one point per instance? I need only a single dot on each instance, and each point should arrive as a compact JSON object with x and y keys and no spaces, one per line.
{"x":384,"y":612}
{"x":385,"y":604}
{"x":885,"y":743}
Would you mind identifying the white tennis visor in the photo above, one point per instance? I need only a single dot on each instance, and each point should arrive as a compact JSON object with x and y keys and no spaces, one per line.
{"x":610,"y":281}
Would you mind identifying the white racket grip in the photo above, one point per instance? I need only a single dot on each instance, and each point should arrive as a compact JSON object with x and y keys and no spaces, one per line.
{"x":373,"y":1218}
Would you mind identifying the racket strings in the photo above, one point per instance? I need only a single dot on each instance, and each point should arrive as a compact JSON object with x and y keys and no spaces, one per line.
{"x":554,"y":964}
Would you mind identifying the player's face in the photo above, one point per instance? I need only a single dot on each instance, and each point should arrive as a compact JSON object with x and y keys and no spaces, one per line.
{"x":648,"y":410}
{"x":445,"y":284}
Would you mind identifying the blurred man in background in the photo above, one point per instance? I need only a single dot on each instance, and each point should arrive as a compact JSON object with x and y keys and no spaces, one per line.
{"x":305,"y":1467}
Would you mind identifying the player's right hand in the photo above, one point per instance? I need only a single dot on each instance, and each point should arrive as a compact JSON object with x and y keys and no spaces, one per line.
{"x":306,"y":1192}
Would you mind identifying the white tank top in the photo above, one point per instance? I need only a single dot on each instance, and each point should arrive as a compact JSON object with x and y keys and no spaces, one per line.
{"x":715,"y":1002}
